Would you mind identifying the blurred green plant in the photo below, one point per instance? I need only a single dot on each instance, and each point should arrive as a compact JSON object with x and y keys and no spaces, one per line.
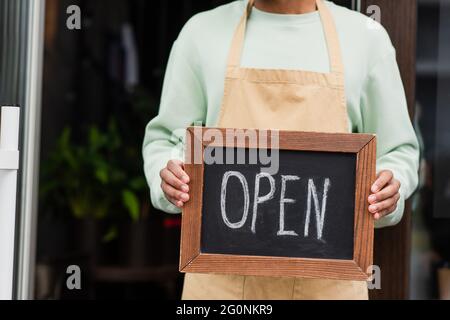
{"x":90,"y":179}
{"x":96,"y":172}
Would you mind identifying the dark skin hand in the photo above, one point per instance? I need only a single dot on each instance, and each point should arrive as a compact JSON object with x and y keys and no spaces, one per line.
{"x":385,"y":195}
{"x":174,"y":183}
{"x":382,"y":202}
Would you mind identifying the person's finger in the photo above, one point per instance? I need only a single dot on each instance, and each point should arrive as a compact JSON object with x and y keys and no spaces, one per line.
{"x":390,"y":190}
{"x":383,"y":179}
{"x":176,"y":167}
{"x":385,"y":204}
{"x":169,"y":177}
{"x":174,"y":193}
{"x":175,"y":202}
{"x":385,"y":212}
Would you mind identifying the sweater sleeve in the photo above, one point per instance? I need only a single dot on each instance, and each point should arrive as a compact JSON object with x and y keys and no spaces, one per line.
{"x":385,"y":113}
{"x":182,"y":104}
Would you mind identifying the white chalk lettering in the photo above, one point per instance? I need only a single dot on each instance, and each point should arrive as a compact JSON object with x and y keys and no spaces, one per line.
{"x":283,"y":201}
{"x":260,"y":199}
{"x":320,"y":213}
{"x":223,"y":197}
{"x":312,"y":200}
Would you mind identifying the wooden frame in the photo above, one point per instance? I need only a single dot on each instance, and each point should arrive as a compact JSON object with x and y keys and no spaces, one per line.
{"x":192,"y":260}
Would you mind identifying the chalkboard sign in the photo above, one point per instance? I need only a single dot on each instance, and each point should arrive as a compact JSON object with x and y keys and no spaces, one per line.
{"x":278,"y":203}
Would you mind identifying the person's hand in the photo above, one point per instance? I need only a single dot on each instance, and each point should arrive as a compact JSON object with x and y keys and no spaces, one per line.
{"x":175,"y":183}
{"x":385,"y":194}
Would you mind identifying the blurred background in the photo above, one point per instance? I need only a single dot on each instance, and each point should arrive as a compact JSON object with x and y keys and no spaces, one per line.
{"x":101,"y":85}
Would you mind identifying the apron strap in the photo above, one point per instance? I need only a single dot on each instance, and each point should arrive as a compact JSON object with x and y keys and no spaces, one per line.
{"x":234,"y":58}
{"x":332,"y":38}
{"x":329,"y":27}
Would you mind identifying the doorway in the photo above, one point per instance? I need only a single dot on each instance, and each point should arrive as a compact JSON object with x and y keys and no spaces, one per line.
{"x":101,"y":84}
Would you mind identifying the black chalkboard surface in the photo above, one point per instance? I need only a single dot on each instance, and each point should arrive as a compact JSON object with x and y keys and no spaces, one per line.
{"x":308,"y":172}
{"x":306,"y":216}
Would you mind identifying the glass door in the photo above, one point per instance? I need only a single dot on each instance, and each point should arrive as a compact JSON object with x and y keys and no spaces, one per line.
{"x":431,"y":236}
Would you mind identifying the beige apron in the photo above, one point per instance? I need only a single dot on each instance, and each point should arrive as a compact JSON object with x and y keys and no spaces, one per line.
{"x":287,"y":100}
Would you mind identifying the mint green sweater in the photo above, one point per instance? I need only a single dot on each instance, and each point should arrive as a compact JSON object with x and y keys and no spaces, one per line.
{"x":194,"y":82}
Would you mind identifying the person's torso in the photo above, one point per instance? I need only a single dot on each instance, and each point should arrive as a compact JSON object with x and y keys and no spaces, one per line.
{"x":275,"y":41}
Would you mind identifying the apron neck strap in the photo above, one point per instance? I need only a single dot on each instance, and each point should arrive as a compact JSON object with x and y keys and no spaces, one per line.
{"x":329,"y":27}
